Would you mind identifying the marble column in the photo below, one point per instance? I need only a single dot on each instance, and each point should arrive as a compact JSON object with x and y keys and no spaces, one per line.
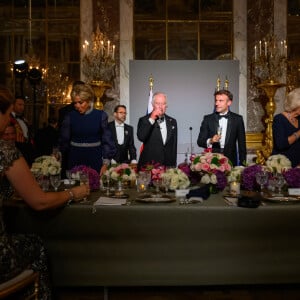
{"x":240,"y":52}
{"x":126,"y":50}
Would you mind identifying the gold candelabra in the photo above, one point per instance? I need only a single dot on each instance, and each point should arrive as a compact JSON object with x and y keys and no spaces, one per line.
{"x":270,"y":58}
{"x":270,"y":88}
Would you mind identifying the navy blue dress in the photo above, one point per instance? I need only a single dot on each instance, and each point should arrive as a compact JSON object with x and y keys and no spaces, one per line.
{"x":282,"y":129}
{"x":87,"y":139}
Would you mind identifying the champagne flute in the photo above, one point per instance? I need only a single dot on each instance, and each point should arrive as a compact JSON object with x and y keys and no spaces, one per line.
{"x":55,"y":181}
{"x":219,"y":130}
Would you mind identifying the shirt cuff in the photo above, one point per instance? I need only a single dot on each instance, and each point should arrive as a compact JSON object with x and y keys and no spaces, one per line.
{"x":151,"y":121}
{"x":106,"y":161}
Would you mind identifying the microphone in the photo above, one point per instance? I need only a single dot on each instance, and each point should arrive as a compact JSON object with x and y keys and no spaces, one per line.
{"x":191,"y":139}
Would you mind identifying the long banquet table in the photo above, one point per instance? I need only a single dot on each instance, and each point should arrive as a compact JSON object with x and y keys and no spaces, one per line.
{"x":143,"y":244}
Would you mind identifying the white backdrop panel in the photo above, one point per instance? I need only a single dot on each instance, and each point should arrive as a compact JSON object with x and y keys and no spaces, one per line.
{"x":189,"y":85}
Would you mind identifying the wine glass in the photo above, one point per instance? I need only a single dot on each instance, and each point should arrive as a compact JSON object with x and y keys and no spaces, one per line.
{"x":106,"y":182}
{"x":157,"y":183}
{"x":279,"y":182}
{"x":219,"y":130}
{"x":261,"y":178}
{"x":55,"y":181}
{"x":166,"y":181}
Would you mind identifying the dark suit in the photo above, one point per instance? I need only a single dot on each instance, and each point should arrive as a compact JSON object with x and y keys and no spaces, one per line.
{"x":154,"y":149}
{"x":127,"y":151}
{"x":235,"y":135}
{"x":25,"y":144}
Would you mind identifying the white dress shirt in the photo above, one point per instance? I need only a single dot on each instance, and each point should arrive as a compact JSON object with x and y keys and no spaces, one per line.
{"x":120,"y":132}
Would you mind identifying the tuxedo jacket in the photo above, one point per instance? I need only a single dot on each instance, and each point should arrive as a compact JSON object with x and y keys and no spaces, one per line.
{"x":153,"y":148}
{"x":25,"y":145}
{"x":127,"y":151}
{"x":235,"y":140}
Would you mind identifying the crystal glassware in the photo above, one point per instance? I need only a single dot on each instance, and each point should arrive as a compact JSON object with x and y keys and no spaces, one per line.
{"x":166,"y":181}
{"x":55,"y":181}
{"x":279,"y":182}
{"x":157,"y":182}
{"x":262,"y":179}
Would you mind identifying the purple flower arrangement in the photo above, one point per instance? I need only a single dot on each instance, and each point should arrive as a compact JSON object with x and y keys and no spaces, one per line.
{"x":221,"y":180}
{"x":292,"y":177}
{"x":248,"y":177}
{"x":94,"y":179}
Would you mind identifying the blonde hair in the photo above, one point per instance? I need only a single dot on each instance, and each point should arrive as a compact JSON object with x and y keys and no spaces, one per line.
{"x":84,"y":91}
{"x":292,"y":100}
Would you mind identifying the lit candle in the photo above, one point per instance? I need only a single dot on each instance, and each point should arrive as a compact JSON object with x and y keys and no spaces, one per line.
{"x":259,"y":48}
{"x":255,"y":53}
{"x":281,"y":48}
{"x":113,"y":51}
{"x":101,"y":48}
{"x":235,"y":188}
{"x":108,"y":45}
{"x":266,"y":49}
{"x":285,"y":48}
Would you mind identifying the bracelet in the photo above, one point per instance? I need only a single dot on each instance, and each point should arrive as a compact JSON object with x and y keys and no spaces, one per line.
{"x":72,"y":197}
{"x":296,"y":135}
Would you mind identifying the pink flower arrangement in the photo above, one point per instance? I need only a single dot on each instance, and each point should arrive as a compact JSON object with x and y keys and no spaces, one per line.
{"x":156,"y":170}
{"x":210,"y":162}
{"x":212,"y":167}
{"x":122,"y":172}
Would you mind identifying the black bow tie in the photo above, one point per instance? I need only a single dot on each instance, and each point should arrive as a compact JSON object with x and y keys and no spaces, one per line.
{"x":223,"y":116}
{"x":160,"y":119}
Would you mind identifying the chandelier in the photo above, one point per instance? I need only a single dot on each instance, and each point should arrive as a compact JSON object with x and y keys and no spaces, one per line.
{"x":98,"y":63}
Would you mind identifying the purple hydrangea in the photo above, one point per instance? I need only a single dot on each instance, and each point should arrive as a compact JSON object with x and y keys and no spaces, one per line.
{"x":248,"y":177}
{"x":221,"y":180}
{"x":94,"y":179}
{"x":292,"y":177}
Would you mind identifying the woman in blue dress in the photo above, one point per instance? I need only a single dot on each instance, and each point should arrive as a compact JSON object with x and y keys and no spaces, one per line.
{"x":22,"y":251}
{"x":84,"y":134}
{"x":286,"y":129}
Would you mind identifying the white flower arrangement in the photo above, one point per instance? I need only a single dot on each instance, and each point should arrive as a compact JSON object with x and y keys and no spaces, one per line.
{"x":46,"y":165}
{"x":277,"y":163}
{"x":179,"y":180}
{"x":209,"y":178}
{"x":235,"y":174}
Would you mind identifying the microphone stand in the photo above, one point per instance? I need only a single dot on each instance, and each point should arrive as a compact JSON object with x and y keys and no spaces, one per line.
{"x":191,"y":140}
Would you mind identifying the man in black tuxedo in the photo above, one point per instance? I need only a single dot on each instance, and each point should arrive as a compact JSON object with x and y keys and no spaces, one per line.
{"x":123,"y":137}
{"x":223,"y":131}
{"x":158,"y":133}
{"x":24,"y":133}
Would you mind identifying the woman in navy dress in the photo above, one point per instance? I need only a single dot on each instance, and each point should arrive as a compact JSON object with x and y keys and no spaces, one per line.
{"x":84,"y":133}
{"x":286,"y":129}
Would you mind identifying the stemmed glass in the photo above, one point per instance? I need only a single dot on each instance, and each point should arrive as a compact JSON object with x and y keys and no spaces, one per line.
{"x":166,"y":181}
{"x":279,"y":182}
{"x":55,"y":181}
{"x":84,"y":179}
{"x":157,"y":183}
{"x":262,"y":178}
{"x":219,"y":130}
{"x":106,"y":180}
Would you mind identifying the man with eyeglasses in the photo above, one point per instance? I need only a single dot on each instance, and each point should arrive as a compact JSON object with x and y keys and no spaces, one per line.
{"x":123,"y":137}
